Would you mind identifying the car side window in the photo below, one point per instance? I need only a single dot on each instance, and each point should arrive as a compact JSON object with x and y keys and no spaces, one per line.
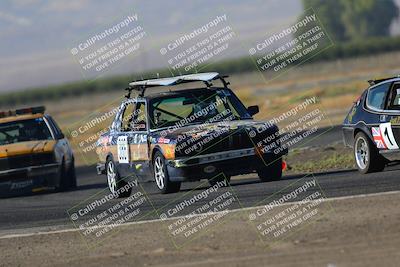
{"x":54,"y":126}
{"x":139,"y":122}
{"x":395,"y":102}
{"x":134,"y":117}
{"x":127,"y":116}
{"x":377,"y":96}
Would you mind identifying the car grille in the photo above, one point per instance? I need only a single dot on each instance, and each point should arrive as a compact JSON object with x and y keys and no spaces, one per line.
{"x":225,"y":142}
{"x":21,"y":161}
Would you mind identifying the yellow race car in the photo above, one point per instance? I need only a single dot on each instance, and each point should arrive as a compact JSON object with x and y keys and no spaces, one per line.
{"x":34,"y":153}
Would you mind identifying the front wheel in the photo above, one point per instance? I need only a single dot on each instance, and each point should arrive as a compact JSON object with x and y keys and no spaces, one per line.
{"x":271,"y":172}
{"x":72,"y":175}
{"x":114,"y":181}
{"x":161,"y":175}
{"x":366,"y":155}
{"x":63,"y":178}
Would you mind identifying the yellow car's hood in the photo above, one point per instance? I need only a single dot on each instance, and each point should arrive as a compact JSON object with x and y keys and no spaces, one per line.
{"x":28,"y":147}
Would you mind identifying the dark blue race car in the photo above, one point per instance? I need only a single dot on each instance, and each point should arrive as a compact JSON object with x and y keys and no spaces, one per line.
{"x":372,"y":127}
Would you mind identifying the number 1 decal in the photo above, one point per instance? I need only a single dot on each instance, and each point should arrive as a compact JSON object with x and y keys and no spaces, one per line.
{"x":387,"y":135}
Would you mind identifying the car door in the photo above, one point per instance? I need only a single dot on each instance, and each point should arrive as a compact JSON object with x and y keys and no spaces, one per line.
{"x":132,"y":140}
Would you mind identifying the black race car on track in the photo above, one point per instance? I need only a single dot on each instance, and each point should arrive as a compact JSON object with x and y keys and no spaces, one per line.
{"x":186,"y":135}
{"x":372,"y":127}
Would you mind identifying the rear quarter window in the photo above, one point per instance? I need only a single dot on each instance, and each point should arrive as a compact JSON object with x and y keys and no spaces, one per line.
{"x":376,"y":98}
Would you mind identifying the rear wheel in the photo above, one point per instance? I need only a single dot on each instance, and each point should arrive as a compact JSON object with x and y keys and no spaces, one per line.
{"x":114,"y":181}
{"x":272,"y":172}
{"x":161,"y":176}
{"x":366,"y":155}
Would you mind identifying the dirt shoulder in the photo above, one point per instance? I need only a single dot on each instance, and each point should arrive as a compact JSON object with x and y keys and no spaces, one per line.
{"x":361,"y":231}
{"x":316,"y":159}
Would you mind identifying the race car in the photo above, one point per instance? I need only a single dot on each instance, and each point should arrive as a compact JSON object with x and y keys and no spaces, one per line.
{"x":372,"y":127}
{"x":34,"y":154}
{"x":186,"y":135}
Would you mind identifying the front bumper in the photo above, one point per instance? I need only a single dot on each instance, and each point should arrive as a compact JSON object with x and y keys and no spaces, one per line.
{"x":211,"y":158}
{"x":31,"y":171}
{"x":234,"y":162}
{"x":28,"y":179}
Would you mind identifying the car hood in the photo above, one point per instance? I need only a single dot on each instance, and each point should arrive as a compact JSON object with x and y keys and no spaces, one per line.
{"x":215,"y":137}
{"x":28,"y":147}
{"x":173,"y":132}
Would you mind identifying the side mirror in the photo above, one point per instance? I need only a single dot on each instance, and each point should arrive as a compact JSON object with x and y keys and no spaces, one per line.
{"x":253,"y":110}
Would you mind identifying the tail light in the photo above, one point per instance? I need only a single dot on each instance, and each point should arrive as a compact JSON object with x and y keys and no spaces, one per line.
{"x":284,"y":165}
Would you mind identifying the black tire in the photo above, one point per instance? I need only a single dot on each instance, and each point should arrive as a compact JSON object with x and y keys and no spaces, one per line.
{"x":63,"y":178}
{"x":161,"y":176}
{"x":72,"y":175}
{"x":366,"y":155}
{"x":272,"y":172}
{"x":115,"y":182}
{"x":220,"y":178}
{"x":67,"y":177}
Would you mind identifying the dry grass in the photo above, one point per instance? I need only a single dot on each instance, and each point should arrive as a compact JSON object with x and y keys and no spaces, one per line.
{"x":336,"y":84}
{"x":320,"y":159}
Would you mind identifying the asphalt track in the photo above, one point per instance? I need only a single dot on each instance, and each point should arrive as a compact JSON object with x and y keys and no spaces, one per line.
{"x":26,"y":214}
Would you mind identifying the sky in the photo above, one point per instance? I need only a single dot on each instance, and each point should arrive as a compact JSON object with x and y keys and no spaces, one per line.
{"x":37,"y":35}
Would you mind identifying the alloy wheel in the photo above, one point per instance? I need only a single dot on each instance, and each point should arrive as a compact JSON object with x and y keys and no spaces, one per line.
{"x":159,"y":173}
{"x":112,"y":177}
{"x":362,"y":153}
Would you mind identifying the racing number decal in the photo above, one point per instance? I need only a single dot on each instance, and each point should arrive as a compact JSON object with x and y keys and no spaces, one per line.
{"x":388,"y":137}
{"x":123,"y":149}
{"x":383,"y":136}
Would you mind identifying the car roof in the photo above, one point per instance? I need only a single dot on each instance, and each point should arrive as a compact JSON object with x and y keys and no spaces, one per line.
{"x":21,"y":117}
{"x":374,"y":83}
{"x":170,"y":81}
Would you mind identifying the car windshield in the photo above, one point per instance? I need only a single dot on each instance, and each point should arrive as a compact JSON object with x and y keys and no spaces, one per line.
{"x":196,"y":107}
{"x":24,"y":130}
